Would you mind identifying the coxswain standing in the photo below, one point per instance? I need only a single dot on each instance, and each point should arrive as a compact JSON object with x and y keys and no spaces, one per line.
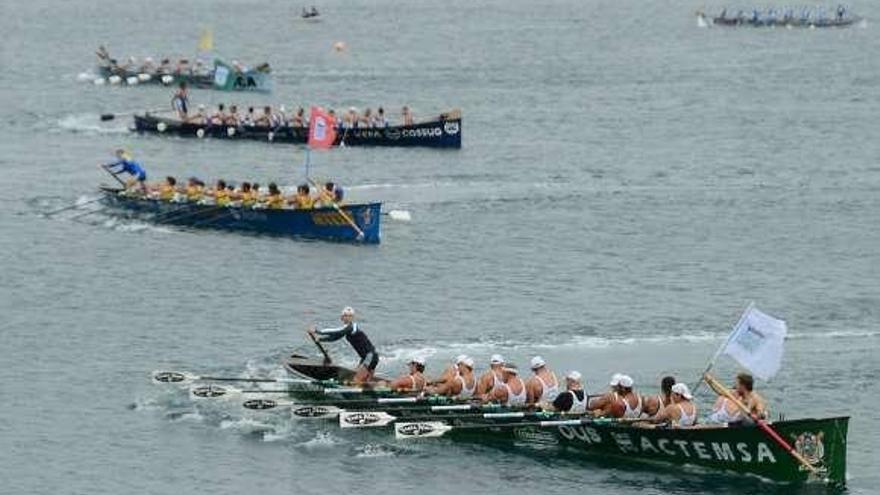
{"x":357,"y":339}
{"x":125,"y":164}
{"x":543,"y":386}
{"x":180,"y":102}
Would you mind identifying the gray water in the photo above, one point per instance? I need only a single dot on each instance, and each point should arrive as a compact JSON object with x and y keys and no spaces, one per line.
{"x":628,"y":183}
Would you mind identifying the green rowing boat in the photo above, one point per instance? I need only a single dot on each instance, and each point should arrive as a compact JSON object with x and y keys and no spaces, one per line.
{"x":744,"y":450}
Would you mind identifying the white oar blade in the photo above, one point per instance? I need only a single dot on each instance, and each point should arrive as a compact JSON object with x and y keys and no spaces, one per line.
{"x":262,"y":404}
{"x":367,"y":419}
{"x":400,"y":215}
{"x":427,"y":429}
{"x":316,"y":411}
{"x":213,"y":392}
{"x":173,"y":377}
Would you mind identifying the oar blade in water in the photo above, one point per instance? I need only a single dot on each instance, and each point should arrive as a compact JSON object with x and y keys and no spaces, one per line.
{"x":364,"y":419}
{"x":426,"y":429}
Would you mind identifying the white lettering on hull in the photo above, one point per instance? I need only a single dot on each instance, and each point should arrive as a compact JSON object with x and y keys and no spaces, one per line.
{"x":759,"y":452}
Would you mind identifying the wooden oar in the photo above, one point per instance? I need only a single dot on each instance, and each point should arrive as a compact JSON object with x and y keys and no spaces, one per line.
{"x":327,"y":359}
{"x":433,"y":429}
{"x":111,"y":116}
{"x":440,"y":402}
{"x":344,"y":215}
{"x":184,"y":377}
{"x":370,"y":419}
{"x":762,"y":424}
{"x":73,"y":206}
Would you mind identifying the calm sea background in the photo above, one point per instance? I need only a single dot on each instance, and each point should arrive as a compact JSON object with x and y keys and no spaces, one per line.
{"x":628,"y":182}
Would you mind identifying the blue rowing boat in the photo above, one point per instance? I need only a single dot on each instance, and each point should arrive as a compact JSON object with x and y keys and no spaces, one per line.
{"x":318,"y":223}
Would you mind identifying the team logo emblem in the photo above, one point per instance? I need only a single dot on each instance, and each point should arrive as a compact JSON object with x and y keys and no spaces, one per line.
{"x":451,"y":128}
{"x":810,"y":446}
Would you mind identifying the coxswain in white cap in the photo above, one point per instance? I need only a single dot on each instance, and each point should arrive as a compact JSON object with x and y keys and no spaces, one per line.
{"x":682,"y":412}
{"x":414,"y":380}
{"x":462,"y":385}
{"x":513,"y":391}
{"x":543,"y":386}
{"x":491,"y":379}
{"x":358,"y":340}
{"x":574,"y":399}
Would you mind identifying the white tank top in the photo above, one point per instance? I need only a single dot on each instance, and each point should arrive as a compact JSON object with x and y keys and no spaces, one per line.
{"x":548,"y":393}
{"x":632,"y":412}
{"x":686,"y":420}
{"x":518,"y":399}
{"x":466,"y":393}
{"x":578,"y":406}
{"x":723,"y":416}
{"x":496,"y":382}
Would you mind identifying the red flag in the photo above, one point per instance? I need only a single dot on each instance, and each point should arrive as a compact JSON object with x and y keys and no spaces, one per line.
{"x":322,"y":129}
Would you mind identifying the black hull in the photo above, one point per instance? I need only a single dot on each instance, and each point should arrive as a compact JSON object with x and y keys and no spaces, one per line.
{"x":437,"y":134}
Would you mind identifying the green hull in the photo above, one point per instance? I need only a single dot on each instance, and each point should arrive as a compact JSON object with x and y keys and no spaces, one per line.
{"x":744,"y":450}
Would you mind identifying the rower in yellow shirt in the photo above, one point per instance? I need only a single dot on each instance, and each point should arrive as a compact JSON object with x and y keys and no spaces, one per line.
{"x":274,"y":200}
{"x":194,"y":190}
{"x":220,"y":193}
{"x":246,"y":195}
{"x":168,"y":189}
{"x":303,"y":199}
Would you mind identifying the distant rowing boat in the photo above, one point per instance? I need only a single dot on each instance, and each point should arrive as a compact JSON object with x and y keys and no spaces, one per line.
{"x":221,"y":77}
{"x":318,"y":223}
{"x":440,"y":133}
{"x":781,"y":21}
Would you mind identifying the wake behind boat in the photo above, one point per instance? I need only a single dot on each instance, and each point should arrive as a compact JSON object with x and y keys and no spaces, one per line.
{"x":443,"y":132}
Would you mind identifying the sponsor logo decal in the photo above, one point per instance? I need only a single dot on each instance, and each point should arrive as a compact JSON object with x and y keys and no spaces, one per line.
{"x":362,"y":419}
{"x":392,"y":134}
{"x":534,"y":435}
{"x":423,"y":132}
{"x":415,"y":429}
{"x":311,"y":411}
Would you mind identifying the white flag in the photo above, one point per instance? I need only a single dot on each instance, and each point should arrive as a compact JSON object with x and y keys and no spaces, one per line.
{"x":757,"y":343}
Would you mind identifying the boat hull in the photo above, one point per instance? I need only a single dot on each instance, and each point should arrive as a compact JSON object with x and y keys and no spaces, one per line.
{"x":437,"y":134}
{"x":219,"y":79}
{"x":319,"y":223}
{"x":744,"y":450}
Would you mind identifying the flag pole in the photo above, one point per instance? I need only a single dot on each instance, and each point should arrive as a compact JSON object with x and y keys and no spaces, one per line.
{"x":722,"y":347}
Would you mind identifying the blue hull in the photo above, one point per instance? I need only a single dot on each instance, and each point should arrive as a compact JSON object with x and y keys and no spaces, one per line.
{"x":319,"y":223}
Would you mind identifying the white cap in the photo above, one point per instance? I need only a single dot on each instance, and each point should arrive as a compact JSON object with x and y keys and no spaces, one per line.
{"x":682,"y":390}
{"x":625,"y":381}
{"x":282,"y":109}
{"x":615,"y":379}
{"x":496,"y":359}
{"x":510,"y":368}
{"x":201,"y":106}
{"x":537,"y":362}
{"x":574,"y":376}
{"x":352,"y":109}
{"x":469,"y":362}
{"x":148,"y":59}
{"x":460,"y":358}
{"x":348,"y":310}
{"x":417,"y":360}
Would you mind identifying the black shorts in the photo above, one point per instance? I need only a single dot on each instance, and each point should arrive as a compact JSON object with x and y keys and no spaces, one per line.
{"x":370,"y":361}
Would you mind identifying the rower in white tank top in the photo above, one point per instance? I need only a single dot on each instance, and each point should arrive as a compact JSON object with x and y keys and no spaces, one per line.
{"x":516,"y":400}
{"x":466,"y":393}
{"x":633,"y":412}
{"x":684,"y":419}
{"x":723,"y":415}
{"x":548,"y":393}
